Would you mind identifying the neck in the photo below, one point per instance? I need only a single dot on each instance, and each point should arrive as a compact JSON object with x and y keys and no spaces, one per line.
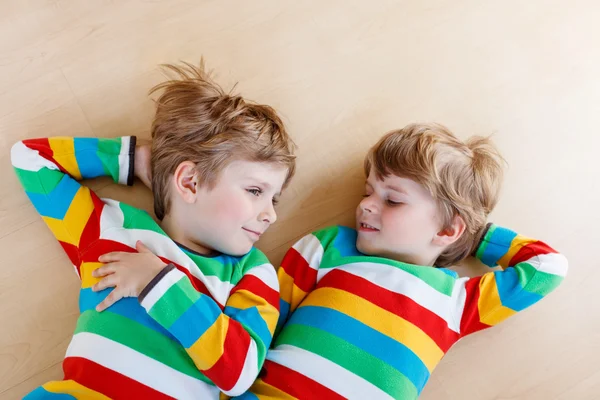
{"x":177,"y":233}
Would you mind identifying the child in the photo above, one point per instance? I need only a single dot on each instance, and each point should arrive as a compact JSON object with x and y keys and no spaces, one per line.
{"x":208,"y":309}
{"x":364,"y":313}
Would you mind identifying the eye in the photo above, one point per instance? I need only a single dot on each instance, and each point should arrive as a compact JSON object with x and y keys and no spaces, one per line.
{"x":394,"y":203}
{"x":275,"y":201}
{"x":255,"y":191}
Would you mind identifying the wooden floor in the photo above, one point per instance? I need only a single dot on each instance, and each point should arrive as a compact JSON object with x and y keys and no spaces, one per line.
{"x":342,"y":73}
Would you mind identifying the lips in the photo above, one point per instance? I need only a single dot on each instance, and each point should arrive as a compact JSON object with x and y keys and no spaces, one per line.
{"x":253,"y":232}
{"x":364,"y":227}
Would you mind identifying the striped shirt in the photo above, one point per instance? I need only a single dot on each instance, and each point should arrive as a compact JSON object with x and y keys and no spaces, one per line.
{"x":362,"y":327}
{"x":202,"y":326}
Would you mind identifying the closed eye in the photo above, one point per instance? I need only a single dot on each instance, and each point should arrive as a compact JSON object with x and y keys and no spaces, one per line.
{"x":255,"y":191}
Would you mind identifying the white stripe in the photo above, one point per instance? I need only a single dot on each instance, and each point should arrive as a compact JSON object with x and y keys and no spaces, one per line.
{"x":249,"y":372}
{"x":326,"y":373}
{"x":552,"y":263}
{"x":158,"y":291}
{"x":163,"y":246}
{"x":311,"y":250}
{"x":459,"y":298}
{"x":266,"y":273}
{"x":137,"y":366}
{"x":124,"y":158}
{"x":402,"y":282}
{"x":27,"y":159}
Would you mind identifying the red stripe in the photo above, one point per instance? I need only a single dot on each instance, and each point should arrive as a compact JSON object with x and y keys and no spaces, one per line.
{"x":43,"y":147}
{"x":298,"y":268}
{"x":294,"y":383}
{"x":73,"y":253}
{"x":91,"y":231}
{"x":471,"y":320}
{"x":254,"y":285}
{"x":434,"y":326}
{"x":106,"y":381}
{"x":228,"y":369}
{"x":529,"y":251}
{"x":103,"y":246}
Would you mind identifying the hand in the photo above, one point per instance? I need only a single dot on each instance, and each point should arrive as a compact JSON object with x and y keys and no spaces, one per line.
{"x":128,"y":273}
{"x":142,"y":163}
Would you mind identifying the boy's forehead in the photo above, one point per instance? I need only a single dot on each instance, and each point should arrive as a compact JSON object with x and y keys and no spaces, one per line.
{"x":268,"y":173}
{"x":394,"y":182}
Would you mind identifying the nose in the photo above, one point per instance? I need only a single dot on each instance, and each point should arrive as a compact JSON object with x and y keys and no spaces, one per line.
{"x":368,"y":205}
{"x":268,"y":215}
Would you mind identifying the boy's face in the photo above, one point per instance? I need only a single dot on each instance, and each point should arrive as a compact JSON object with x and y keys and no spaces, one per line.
{"x":233,"y":215}
{"x":398,"y":219}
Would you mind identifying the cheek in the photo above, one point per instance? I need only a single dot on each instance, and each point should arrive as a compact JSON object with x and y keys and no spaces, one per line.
{"x":232,"y":209}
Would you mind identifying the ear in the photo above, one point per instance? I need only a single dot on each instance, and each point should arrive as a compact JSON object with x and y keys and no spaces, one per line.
{"x":185,"y":179}
{"x":452,"y":233}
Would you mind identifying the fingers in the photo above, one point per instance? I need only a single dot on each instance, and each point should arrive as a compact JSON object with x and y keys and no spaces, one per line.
{"x":103,"y":271}
{"x":111,"y":299}
{"x":141,"y":247}
{"x":109,"y":281}
{"x":112,"y":257}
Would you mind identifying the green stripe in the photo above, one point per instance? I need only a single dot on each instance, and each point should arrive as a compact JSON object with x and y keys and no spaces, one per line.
{"x":139,"y":338}
{"x":327,"y":236}
{"x":176,"y":301}
{"x":213,"y":266}
{"x":535,"y":281}
{"x":42,"y":181}
{"x":351,"y":358}
{"x":435,"y":278}
{"x":134,"y":218}
{"x":484,"y":242}
{"x":110,"y":146}
{"x":110,"y":162}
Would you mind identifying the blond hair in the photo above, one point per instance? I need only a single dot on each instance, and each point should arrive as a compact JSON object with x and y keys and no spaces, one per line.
{"x":197,"y":121}
{"x":463,"y":177}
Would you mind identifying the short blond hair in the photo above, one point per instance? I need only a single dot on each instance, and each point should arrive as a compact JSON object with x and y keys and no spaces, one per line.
{"x":463,"y":177}
{"x":197,"y":121}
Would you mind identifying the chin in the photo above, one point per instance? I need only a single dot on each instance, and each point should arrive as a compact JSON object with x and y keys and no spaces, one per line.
{"x":365,"y":247}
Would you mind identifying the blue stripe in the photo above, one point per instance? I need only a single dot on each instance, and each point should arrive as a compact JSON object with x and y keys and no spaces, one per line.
{"x":368,"y":339}
{"x":56,"y":203}
{"x":89,"y":163}
{"x":345,"y":242}
{"x":512,"y":294}
{"x":128,"y":307}
{"x":245,"y":396}
{"x":498,"y":244}
{"x":251,"y":319}
{"x":195,"y":321}
{"x":284,"y":310}
{"x":41,"y":393}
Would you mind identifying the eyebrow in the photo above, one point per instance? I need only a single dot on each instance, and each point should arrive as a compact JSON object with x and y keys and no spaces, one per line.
{"x":391,"y":187}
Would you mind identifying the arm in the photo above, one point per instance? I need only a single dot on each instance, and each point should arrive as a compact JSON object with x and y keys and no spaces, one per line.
{"x":229,"y":346}
{"x":531,"y":270}
{"x":298,"y":275}
{"x":49,"y":170}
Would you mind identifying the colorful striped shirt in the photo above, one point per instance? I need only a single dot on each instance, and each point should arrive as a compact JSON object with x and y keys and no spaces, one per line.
{"x":203,"y":326}
{"x":362,"y":327}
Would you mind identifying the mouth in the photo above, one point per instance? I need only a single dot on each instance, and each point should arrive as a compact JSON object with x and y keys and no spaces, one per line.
{"x":253,"y":233}
{"x":367,"y":228}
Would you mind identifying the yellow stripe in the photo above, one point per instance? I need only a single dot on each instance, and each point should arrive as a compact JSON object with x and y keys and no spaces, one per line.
{"x":517,"y":243}
{"x":264,"y":391}
{"x":74,"y":389}
{"x":381,"y":320}
{"x":64,"y":153}
{"x":289,"y":292}
{"x":85,"y":270}
{"x":491,"y":310}
{"x":244,"y":299}
{"x":210,"y":344}
{"x":70,"y":228}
